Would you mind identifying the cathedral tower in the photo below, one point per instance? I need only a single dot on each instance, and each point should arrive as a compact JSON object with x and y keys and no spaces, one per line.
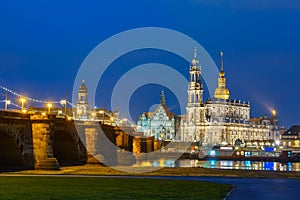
{"x":222,"y":91}
{"x":162,"y":98}
{"x":195,"y":88}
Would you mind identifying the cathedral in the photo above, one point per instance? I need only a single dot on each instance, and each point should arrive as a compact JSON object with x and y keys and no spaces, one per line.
{"x":220,"y":120}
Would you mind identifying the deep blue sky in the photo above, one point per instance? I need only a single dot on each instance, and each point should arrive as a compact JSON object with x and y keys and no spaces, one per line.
{"x":43,"y":43}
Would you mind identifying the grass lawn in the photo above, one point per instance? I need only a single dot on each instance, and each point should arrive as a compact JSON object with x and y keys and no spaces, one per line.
{"x":20,"y":187}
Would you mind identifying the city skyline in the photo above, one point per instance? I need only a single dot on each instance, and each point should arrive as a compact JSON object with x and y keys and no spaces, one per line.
{"x":259,"y":40}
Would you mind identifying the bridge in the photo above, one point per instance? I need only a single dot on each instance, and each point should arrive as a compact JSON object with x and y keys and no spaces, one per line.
{"x":35,"y":141}
{"x":31,"y":139}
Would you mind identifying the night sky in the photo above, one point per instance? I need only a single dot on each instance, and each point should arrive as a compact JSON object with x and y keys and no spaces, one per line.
{"x":43,"y":43}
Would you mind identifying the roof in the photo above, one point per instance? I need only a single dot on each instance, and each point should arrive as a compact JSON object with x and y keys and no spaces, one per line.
{"x":151,"y":114}
{"x":294,"y":130}
{"x":82,"y":88}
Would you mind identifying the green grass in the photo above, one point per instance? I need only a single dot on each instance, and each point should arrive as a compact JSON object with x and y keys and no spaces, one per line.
{"x":24,"y":187}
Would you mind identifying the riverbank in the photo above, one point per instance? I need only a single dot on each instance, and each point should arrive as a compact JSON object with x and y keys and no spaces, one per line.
{"x":99,"y":170}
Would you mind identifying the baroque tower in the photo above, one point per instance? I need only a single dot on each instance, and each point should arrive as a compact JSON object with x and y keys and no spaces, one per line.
{"x":194,"y":109}
{"x":82,"y":102}
{"x":222,"y":91}
{"x":195,"y":88}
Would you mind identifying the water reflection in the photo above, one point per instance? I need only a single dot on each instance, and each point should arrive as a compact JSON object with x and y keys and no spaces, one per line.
{"x":224,"y":164}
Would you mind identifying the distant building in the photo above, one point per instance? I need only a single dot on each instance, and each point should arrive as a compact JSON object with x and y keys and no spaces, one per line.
{"x":160,"y":123}
{"x":271,"y":123}
{"x":221,"y":120}
{"x":291,"y":138}
{"x":83,"y":111}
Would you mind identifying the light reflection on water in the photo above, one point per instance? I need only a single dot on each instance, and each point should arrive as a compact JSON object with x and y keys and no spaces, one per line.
{"x":225,"y":164}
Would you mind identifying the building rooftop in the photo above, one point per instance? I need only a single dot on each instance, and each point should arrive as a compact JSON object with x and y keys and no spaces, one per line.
{"x":294,"y":130}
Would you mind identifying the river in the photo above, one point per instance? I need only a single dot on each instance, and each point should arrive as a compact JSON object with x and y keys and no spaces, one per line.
{"x":224,"y":164}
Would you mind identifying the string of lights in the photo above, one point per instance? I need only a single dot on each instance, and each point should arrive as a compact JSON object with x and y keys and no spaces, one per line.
{"x":18,"y":106}
{"x":33,"y":99}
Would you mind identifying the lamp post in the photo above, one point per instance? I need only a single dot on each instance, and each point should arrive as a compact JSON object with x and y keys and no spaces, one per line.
{"x":125,"y":121}
{"x":49,"y":105}
{"x":102,"y":113}
{"x":23,"y":101}
{"x":7,"y":102}
{"x":64,"y":102}
{"x":111,"y":120}
{"x":93,"y":115}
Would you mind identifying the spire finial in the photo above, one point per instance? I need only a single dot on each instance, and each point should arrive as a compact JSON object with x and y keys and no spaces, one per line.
{"x":162,"y":97}
{"x":195,"y":52}
{"x":221,"y":65}
{"x":82,"y":81}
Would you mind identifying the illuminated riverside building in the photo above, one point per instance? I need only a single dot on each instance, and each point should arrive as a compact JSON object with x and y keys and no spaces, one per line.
{"x":160,"y":123}
{"x":291,"y":137}
{"x":85,"y":112}
{"x":82,"y":111}
{"x":221,"y":120}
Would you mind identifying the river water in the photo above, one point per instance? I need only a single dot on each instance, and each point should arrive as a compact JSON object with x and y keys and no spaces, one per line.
{"x":224,"y":164}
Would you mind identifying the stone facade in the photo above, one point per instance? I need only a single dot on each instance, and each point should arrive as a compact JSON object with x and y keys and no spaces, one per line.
{"x":160,"y":123}
{"x":82,"y":111}
{"x":220,"y":120}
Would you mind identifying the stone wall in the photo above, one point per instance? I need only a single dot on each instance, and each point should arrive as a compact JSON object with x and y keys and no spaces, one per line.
{"x":19,"y":130}
{"x":42,"y":142}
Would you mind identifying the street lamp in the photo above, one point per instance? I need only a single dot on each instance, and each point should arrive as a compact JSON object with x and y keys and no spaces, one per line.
{"x":7,"y":102}
{"x":49,"y":105}
{"x":102,"y":113}
{"x":111,"y":120}
{"x":125,"y":121}
{"x":64,"y":102}
{"x":94,"y":115}
{"x":23,"y":101}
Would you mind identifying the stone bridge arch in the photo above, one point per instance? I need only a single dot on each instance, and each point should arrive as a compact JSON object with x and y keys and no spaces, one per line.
{"x":67,"y":146}
{"x":16,"y":147}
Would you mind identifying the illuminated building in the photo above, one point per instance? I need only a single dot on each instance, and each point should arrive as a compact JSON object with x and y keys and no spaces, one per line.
{"x":291,"y":138}
{"x":220,"y":120}
{"x":82,"y":111}
{"x":160,"y":123}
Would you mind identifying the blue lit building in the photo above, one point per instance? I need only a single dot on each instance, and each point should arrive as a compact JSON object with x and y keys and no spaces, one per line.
{"x":160,"y":123}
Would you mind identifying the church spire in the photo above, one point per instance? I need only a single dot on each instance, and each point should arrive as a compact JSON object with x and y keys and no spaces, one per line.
{"x":162,"y":98}
{"x":221,"y":64}
{"x":222,"y":91}
{"x":195,"y":61}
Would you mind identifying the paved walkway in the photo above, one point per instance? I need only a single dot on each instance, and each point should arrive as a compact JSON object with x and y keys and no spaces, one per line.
{"x":256,"y":188}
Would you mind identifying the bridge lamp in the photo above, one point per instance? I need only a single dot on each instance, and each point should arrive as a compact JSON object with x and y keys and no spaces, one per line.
{"x":64,"y":102}
{"x":23,"y":101}
{"x":7,"y":102}
{"x":49,"y":105}
{"x":111,"y":120}
{"x":102,"y":113}
{"x":93,"y":115}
